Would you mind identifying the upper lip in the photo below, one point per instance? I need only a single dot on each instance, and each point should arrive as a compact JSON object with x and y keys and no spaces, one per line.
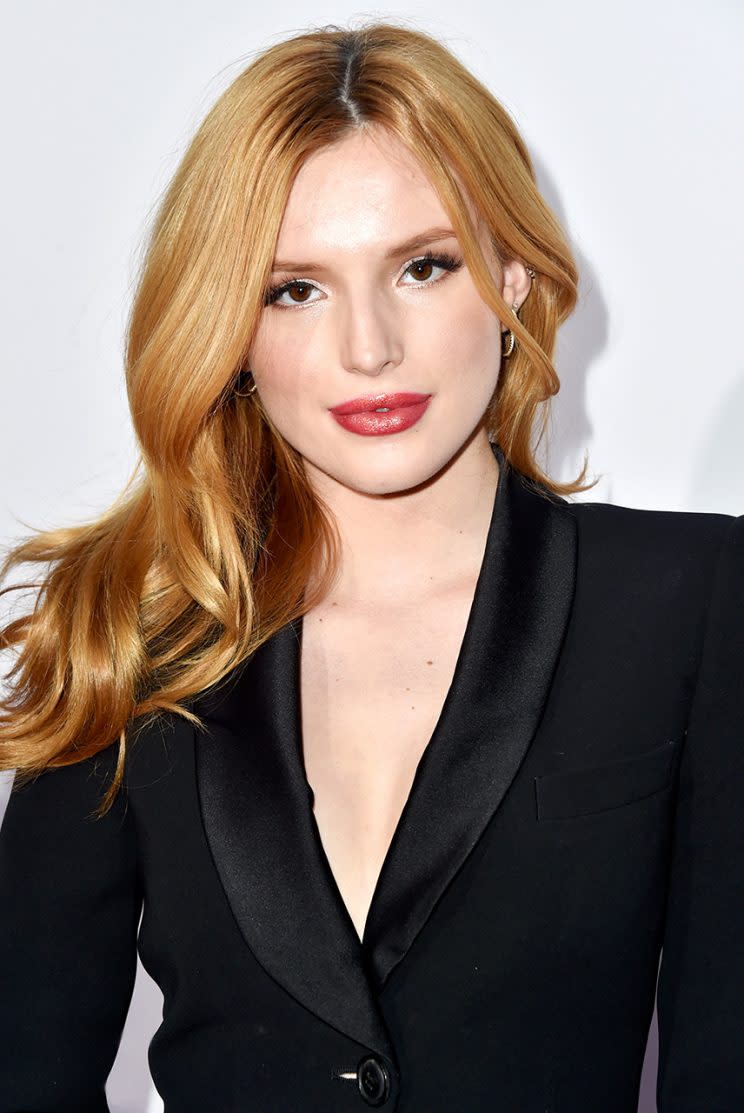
{"x":375,"y":401}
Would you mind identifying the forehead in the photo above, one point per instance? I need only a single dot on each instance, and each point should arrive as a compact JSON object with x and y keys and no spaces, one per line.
{"x":367,"y":192}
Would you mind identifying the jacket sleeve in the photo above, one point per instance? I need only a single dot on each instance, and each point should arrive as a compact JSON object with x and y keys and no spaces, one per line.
{"x":700,"y":993}
{"x":70,"y":900}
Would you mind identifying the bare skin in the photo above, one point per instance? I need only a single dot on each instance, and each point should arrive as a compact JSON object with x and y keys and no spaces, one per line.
{"x":412,"y":508}
{"x":374,"y":679}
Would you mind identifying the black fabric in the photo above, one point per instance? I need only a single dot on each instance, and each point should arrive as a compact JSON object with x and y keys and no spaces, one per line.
{"x":578,"y":807}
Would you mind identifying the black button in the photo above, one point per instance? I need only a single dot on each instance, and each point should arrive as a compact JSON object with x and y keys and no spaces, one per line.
{"x":374,"y":1081}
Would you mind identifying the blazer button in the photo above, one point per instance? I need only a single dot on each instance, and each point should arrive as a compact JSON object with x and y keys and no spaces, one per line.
{"x":373,"y":1080}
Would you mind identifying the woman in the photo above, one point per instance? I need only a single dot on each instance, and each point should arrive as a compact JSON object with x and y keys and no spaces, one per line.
{"x":419,"y":763}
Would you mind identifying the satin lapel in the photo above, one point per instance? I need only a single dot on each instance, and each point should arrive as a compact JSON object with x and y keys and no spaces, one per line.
{"x":257,"y":804}
{"x":257,"y":811}
{"x":507,"y":659}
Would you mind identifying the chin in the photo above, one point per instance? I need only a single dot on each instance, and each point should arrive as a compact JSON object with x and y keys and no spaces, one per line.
{"x":392,"y":475}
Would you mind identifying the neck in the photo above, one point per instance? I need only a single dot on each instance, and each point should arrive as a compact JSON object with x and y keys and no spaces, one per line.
{"x":404,"y":546}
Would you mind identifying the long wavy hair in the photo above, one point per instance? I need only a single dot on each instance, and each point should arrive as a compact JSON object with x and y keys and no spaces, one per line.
{"x":209,"y":548}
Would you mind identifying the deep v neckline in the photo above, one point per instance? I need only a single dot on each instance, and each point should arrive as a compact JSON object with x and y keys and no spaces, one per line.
{"x":255,"y":800}
{"x":452,"y":696}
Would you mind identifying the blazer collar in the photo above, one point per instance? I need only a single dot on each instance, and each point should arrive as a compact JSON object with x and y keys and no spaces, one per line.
{"x":257,"y":805}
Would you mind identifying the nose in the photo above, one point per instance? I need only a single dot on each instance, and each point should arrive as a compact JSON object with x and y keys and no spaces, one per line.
{"x":369,"y":334}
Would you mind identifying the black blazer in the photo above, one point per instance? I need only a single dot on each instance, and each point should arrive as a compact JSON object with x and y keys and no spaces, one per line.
{"x":578,"y":808}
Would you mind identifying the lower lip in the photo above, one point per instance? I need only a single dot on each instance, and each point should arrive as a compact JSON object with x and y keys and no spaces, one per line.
{"x":372,"y":424}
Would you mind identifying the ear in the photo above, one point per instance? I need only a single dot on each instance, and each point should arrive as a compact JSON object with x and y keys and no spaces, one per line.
{"x":517,"y":285}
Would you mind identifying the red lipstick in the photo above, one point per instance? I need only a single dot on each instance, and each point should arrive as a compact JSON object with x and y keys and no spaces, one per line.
{"x":399,"y":411}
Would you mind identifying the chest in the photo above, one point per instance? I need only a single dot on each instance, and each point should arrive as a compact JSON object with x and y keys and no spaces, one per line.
{"x":372,"y":689}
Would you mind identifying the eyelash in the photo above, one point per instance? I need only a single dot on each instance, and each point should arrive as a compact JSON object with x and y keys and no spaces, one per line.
{"x":444,"y":260}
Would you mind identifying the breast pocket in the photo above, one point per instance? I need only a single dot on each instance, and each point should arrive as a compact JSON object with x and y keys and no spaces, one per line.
{"x":598,"y":788}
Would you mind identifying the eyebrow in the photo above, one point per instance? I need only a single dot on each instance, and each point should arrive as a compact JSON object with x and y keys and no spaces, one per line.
{"x":421,"y":239}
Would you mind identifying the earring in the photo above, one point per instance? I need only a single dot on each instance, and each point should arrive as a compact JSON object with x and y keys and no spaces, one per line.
{"x":512,"y":342}
{"x":246,"y":393}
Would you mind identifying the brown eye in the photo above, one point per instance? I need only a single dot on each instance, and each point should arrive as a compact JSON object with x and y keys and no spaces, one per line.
{"x":422,"y":269}
{"x":423,"y":265}
{"x":289,"y":289}
{"x":299,"y":287}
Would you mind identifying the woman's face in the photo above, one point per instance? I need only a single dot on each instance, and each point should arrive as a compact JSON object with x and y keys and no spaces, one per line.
{"x":380,"y":302}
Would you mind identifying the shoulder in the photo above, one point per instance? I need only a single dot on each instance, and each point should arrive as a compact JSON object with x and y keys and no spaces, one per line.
{"x":659,"y":567}
{"x":666,"y":543}
{"x":699,"y":528}
{"x":160,"y":746}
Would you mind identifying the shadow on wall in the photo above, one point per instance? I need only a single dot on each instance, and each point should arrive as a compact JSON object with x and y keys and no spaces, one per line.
{"x":581,"y":341}
{"x":718,"y":466}
{"x":130,"y":1088}
{"x":647,"y":1095}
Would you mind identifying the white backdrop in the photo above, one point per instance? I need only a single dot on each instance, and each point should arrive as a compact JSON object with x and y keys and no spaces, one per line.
{"x":633,"y":116}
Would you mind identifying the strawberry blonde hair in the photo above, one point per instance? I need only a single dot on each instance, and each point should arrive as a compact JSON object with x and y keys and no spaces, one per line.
{"x":209,"y":548}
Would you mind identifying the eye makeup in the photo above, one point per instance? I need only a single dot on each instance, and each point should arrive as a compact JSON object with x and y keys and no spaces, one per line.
{"x":443,"y":259}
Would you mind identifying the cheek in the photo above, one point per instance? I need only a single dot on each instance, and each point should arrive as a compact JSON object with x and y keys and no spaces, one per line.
{"x":470,"y":339}
{"x":277,"y":358}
